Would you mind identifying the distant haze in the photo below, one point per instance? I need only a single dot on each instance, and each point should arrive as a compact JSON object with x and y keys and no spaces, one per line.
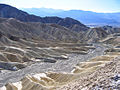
{"x":86,"y":17}
{"x":87,"y":5}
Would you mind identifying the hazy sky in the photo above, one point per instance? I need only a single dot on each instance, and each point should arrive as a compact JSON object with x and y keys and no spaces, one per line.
{"x":87,"y":5}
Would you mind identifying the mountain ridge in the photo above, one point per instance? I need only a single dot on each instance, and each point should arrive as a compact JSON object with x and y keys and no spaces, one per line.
{"x":48,"y":28}
{"x":86,"y":17}
{"x":39,"y":31}
{"x":7,"y":11}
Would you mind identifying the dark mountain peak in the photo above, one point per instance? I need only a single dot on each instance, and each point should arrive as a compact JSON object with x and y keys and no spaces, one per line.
{"x":52,"y":19}
{"x":68,"y":22}
{"x":4,"y":5}
{"x":71,"y":20}
{"x":7,"y":11}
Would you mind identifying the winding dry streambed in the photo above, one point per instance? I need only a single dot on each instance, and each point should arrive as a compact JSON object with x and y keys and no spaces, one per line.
{"x":59,"y":66}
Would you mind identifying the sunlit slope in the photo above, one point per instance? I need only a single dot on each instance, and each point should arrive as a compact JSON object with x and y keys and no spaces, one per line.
{"x":52,"y":80}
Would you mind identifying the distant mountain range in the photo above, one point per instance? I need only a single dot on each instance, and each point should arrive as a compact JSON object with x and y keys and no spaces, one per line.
{"x":24,"y":25}
{"x":7,"y":11}
{"x":86,"y":17}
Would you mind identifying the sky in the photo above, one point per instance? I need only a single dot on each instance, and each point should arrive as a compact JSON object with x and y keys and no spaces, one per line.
{"x":87,"y":5}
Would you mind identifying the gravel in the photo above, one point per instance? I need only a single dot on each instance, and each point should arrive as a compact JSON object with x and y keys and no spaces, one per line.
{"x":59,"y":66}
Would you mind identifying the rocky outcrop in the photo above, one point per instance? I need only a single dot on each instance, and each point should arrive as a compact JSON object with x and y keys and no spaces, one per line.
{"x":94,"y":35}
{"x":111,"y":30}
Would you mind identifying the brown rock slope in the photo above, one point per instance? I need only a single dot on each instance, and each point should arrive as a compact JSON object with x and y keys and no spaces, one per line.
{"x":11,"y":27}
{"x":94,"y":35}
{"x":102,"y":78}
